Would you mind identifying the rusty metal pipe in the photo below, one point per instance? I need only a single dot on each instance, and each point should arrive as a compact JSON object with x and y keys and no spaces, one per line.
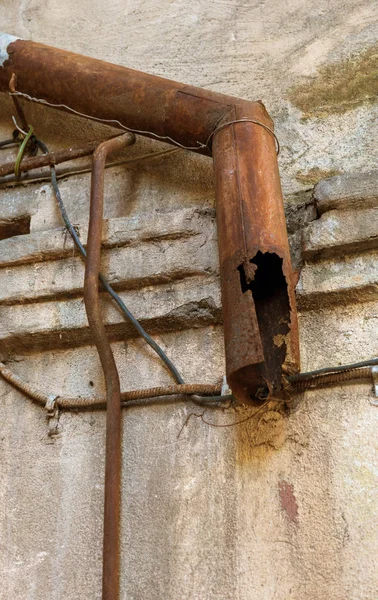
{"x":166,"y":108}
{"x":110,"y":572}
{"x":261,"y":331}
{"x":45,"y":160}
{"x":259,"y":313}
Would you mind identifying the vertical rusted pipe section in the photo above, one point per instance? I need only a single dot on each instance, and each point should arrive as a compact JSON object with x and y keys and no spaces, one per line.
{"x":261,"y":336}
{"x":110,"y":569}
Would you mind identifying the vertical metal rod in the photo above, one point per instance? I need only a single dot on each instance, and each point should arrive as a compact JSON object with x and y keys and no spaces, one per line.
{"x":110,"y":569}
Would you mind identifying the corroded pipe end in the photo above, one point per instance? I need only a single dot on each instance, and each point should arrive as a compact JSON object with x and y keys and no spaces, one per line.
{"x":258,"y":300}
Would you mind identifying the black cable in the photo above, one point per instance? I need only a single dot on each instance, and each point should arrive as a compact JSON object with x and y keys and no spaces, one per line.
{"x":128,"y":315}
{"x":14,"y":140}
{"x":8,"y":143}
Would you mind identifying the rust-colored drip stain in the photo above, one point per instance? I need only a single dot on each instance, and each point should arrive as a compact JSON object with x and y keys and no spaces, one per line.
{"x":260,"y":437}
{"x":288,"y":500}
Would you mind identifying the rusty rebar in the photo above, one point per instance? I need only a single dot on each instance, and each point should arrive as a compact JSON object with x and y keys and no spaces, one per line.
{"x":66,"y":402}
{"x":110,"y":568}
{"x":325,"y":379}
{"x":198,"y":389}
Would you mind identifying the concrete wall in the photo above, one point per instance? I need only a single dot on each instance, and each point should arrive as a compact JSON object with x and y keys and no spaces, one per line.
{"x":282,"y":506}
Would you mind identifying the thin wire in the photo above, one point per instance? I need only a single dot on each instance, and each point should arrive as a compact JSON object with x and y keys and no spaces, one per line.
{"x":244,"y":120}
{"x":151,"y":133}
{"x":62,"y":173}
{"x":18,"y":127}
{"x":237,"y":422}
{"x":129,"y":316}
{"x":10,"y":142}
{"x":109,"y":121}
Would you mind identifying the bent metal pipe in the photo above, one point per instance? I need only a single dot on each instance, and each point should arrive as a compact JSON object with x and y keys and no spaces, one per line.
{"x":110,"y":567}
{"x":260,"y":319}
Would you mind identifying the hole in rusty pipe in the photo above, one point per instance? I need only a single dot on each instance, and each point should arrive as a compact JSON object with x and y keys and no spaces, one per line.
{"x":15,"y":227}
{"x":264,"y":277}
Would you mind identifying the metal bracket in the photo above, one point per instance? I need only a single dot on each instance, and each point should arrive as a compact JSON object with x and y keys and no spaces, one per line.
{"x":226,"y":390}
{"x":50,"y":405}
{"x":52,"y":415}
{"x":374,"y":374}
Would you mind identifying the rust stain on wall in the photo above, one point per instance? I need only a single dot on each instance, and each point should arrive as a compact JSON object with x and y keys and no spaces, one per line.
{"x":288,"y":500}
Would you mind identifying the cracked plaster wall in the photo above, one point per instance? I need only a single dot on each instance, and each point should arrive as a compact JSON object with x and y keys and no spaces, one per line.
{"x":282,"y":507}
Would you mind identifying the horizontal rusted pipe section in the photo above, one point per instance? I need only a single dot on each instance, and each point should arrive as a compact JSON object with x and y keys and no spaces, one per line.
{"x":188,"y":115}
{"x":260,"y":322}
{"x":110,"y":579}
{"x":45,"y":160}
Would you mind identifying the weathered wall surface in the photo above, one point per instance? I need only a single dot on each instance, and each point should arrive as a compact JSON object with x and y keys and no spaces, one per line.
{"x":282,"y":506}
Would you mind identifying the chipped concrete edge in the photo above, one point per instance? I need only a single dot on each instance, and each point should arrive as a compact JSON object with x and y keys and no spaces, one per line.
{"x":5,"y":40}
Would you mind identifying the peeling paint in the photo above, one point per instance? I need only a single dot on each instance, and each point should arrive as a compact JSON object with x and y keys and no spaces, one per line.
{"x":5,"y":40}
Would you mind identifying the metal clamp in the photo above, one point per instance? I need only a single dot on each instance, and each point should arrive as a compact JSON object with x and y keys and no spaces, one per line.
{"x":374,"y":374}
{"x":52,"y":415}
{"x":225,"y":391}
{"x":50,"y":405}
